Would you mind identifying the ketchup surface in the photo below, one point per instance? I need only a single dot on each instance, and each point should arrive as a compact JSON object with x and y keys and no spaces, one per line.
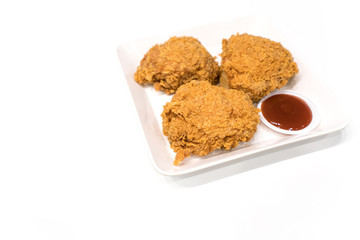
{"x":287,"y":112}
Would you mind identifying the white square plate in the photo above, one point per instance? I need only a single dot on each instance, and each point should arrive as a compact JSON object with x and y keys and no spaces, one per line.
{"x":149,"y":103}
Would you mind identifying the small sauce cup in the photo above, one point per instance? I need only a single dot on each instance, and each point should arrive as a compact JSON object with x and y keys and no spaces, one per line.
{"x":288,"y":112}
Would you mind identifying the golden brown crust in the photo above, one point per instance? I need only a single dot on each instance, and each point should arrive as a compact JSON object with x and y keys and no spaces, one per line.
{"x":201,"y":118}
{"x":175,"y":62}
{"x":255,"y":65}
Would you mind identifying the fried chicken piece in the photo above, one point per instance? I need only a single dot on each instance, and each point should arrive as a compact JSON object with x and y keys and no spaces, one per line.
{"x":255,"y":65}
{"x":201,"y":118}
{"x":175,"y":62}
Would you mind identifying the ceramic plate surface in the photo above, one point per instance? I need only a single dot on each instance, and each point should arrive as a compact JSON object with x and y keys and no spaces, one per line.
{"x":149,"y":103}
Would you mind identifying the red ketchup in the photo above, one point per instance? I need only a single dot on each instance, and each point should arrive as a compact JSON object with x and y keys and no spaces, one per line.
{"x":287,"y":112}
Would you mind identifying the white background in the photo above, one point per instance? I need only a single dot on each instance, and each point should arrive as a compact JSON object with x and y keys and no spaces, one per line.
{"x":72,"y":158}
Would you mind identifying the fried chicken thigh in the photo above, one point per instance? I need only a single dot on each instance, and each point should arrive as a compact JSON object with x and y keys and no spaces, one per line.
{"x":201,"y":118}
{"x":255,"y":65}
{"x":177,"y":61}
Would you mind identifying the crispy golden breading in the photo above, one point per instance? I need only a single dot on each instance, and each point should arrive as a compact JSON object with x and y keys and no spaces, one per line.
{"x":201,"y":118}
{"x":255,"y":65}
{"x":175,"y":62}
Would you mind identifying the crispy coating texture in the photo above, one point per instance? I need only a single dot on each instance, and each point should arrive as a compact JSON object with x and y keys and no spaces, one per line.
{"x":201,"y":118}
{"x":255,"y":65}
{"x":177,"y":61}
